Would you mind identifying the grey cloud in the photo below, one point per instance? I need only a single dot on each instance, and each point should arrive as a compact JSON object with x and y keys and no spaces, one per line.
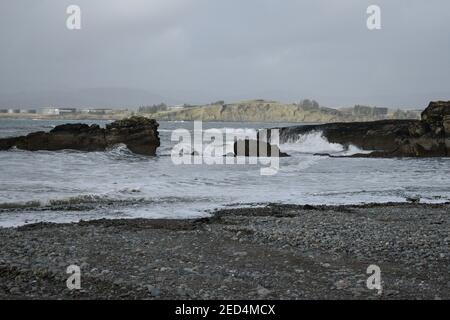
{"x":204,"y":50}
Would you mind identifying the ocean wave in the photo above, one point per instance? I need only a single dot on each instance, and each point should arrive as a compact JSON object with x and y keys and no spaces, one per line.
{"x":58,"y":203}
{"x":316,"y":143}
{"x":96,"y":201}
{"x":20,"y":205}
{"x":121,"y":152}
{"x":116,"y":152}
{"x":119,"y":149}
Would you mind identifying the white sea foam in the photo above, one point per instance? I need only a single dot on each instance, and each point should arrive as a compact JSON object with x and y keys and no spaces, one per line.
{"x":68,"y":186}
{"x":316,"y":143}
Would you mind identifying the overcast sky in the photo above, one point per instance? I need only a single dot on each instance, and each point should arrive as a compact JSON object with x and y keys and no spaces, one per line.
{"x":199,"y":51}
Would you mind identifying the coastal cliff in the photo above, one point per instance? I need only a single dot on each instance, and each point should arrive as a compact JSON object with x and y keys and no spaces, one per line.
{"x":139,"y":134}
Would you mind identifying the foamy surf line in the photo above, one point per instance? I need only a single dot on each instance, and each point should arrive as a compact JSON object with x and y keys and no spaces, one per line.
{"x":93,"y":207}
{"x":91,"y":202}
{"x":309,"y":143}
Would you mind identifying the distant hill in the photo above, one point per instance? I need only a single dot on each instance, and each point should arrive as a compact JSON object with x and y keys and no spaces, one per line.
{"x":243,"y":111}
{"x":272,"y":111}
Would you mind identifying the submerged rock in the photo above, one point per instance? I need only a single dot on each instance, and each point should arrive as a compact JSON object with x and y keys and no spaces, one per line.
{"x":428,"y":137}
{"x":139,"y":134}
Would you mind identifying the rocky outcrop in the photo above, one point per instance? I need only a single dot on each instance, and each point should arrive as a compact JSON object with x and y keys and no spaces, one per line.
{"x":437,"y":117}
{"x":428,"y":137}
{"x":139,"y":134}
{"x":256,"y":148}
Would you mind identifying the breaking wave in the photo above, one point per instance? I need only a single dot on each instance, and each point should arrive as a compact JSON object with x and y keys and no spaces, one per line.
{"x":120,"y":150}
{"x":316,"y":143}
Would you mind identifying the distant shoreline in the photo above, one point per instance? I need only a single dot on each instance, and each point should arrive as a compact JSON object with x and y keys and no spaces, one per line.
{"x":32,"y":116}
{"x":243,"y":111}
{"x":117,"y":117}
{"x":113,"y":118}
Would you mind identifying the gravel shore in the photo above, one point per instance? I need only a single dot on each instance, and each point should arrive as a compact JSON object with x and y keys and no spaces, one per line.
{"x":272,"y":252}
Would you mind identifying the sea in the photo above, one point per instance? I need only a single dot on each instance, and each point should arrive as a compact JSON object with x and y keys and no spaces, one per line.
{"x":67,"y":186}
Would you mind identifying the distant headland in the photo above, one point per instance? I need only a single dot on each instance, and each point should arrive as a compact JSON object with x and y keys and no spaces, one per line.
{"x":258,"y":110}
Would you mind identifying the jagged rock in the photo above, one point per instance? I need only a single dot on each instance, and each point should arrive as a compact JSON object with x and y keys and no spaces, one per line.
{"x":139,"y":134}
{"x":435,"y":113}
{"x":255,"y":148}
{"x":428,"y":137}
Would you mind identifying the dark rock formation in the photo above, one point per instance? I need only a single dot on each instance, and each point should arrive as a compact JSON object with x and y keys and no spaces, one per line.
{"x":139,"y":134}
{"x":255,"y":148}
{"x":428,"y":137}
{"x":437,"y":117}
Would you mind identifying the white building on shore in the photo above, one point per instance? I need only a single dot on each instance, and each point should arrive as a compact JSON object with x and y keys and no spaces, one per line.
{"x":49,"y":111}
